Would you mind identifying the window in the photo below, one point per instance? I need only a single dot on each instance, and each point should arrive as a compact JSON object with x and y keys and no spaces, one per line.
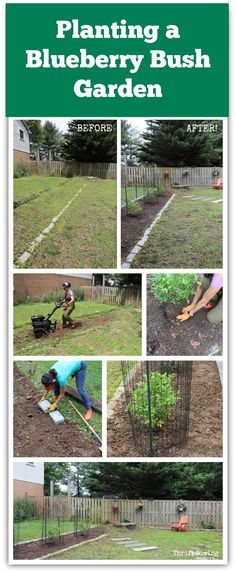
{"x":22,"y":135}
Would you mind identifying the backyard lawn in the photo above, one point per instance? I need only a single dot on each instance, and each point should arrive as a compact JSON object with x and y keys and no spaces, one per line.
{"x":103,"y":330}
{"x":114,"y":377}
{"x":32,"y":529}
{"x":170,"y":545}
{"x":188,"y":235}
{"x":85,"y":233}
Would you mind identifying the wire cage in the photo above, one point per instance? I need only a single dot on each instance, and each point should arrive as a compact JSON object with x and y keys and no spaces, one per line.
{"x":158,"y":401}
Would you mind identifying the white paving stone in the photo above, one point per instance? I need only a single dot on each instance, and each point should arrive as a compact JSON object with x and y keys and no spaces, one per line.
{"x":150,"y":548}
{"x":120,"y":538}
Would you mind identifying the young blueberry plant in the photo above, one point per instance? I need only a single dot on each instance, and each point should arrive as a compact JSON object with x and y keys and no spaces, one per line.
{"x":171,"y":288}
{"x":162,"y":399}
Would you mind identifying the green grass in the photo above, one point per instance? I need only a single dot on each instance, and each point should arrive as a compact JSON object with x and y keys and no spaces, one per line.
{"x":188,"y":235}
{"x":106,"y":330}
{"x":169,"y":544}
{"x":93,"y":386}
{"x":114,"y":376}
{"x":84,"y":236}
{"x":32,"y":529}
{"x":133,"y":193}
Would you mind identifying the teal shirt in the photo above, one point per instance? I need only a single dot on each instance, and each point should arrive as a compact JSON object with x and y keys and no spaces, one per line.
{"x":65,"y":369}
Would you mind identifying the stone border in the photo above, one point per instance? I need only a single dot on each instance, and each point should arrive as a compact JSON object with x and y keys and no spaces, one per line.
{"x":27,"y":254}
{"x":120,"y":390}
{"x":219,"y":364}
{"x":69,"y":548}
{"x":135,"y":250}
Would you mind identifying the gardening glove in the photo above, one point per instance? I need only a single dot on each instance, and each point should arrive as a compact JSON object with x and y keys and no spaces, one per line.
{"x":187,"y":308}
{"x":183,"y":316}
{"x":52,"y":408}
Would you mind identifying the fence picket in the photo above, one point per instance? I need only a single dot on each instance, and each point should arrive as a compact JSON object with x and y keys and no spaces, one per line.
{"x":155,"y":513}
{"x":72,"y":168}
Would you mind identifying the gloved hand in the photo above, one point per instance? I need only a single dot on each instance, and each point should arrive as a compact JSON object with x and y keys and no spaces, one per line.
{"x":52,"y":408}
{"x":187,"y":308}
{"x":183,"y":316}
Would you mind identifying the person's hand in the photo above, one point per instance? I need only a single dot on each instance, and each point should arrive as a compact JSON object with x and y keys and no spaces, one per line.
{"x":187,"y":308}
{"x":42,"y":399}
{"x":52,"y":408}
{"x":183,"y":316}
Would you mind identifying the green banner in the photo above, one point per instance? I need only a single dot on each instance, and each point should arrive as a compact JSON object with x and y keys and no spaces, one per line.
{"x":108,"y":60}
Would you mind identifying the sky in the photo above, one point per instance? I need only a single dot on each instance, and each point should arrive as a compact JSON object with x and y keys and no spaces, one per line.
{"x":62,"y":122}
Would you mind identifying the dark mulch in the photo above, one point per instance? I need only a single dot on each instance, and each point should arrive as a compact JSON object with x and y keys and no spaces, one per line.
{"x":205,"y":422}
{"x":167,"y":336}
{"x":133,"y":228}
{"x":35,"y":434}
{"x":38,"y":549}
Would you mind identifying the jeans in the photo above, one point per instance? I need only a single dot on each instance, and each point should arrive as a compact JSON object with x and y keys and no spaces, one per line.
{"x":56,"y":389}
{"x":80,"y":377}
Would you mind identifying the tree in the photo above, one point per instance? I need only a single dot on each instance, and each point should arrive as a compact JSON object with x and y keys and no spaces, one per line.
{"x":154,"y":480}
{"x":59,"y":472}
{"x":169,"y":143}
{"x":51,"y":141}
{"x":88,"y":141}
{"x":130,"y":142}
{"x":35,"y":136}
{"x":118,"y":280}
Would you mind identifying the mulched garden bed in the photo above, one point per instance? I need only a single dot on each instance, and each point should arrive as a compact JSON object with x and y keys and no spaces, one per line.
{"x":133,"y":228}
{"x":205,"y":422}
{"x":167,"y":336}
{"x":38,"y":549}
{"x":35,"y":434}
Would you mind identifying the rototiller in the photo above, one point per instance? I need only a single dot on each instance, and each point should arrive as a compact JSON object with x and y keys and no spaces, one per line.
{"x":42,"y":324}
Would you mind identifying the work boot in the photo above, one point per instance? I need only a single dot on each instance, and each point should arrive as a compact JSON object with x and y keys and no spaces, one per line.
{"x":88,"y":414}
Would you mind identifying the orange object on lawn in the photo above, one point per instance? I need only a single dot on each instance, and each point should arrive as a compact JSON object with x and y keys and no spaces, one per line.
{"x":182,"y":525}
{"x":218,"y":183}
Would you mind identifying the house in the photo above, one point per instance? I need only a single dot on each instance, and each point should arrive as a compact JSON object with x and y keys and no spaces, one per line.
{"x":21,"y":142}
{"x":36,"y":285}
{"x":28,"y":479}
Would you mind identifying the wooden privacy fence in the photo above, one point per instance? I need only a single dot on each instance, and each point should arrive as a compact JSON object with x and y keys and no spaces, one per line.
{"x":166,"y":176}
{"x":153,"y":513}
{"x":72,"y":168}
{"x":119,"y":296}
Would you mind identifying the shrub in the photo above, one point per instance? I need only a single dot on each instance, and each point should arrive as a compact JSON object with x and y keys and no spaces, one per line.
{"x":24,"y":508}
{"x":173,"y":288}
{"x":209,"y":525}
{"x":163,"y":398}
{"x":53,"y":533}
{"x":57,"y":296}
{"x":84,"y":528}
{"x":20,"y":170}
{"x":151,"y":194}
{"x":134,"y":209}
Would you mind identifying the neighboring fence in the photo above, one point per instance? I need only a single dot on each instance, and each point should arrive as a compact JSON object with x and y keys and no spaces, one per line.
{"x":153,"y":513}
{"x":72,"y":168}
{"x":119,"y":296}
{"x":166,"y":176}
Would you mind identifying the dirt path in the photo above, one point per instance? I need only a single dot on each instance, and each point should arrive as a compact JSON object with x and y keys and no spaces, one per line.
{"x":167,"y":336}
{"x":132,"y":228}
{"x":36,"y":435}
{"x":27,"y":335}
{"x":205,"y":424}
{"x":38,"y":549}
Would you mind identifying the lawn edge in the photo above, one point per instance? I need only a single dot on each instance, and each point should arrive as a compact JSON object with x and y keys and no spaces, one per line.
{"x":71,"y":547}
{"x":141,"y":242}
